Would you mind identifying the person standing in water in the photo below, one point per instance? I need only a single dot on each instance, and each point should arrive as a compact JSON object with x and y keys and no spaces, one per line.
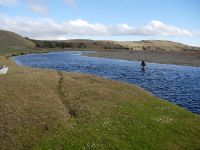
{"x":143,"y":64}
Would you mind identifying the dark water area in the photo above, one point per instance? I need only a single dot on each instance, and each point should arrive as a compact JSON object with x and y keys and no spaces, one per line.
{"x":177,"y":84}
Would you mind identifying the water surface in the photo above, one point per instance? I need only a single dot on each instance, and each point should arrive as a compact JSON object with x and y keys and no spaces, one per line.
{"x":177,"y":84}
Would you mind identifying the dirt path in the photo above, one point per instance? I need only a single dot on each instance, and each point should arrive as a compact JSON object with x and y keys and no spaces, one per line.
{"x":72,"y":112}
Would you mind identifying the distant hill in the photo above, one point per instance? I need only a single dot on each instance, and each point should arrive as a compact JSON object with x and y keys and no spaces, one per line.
{"x":157,"y":45}
{"x":151,"y":45}
{"x":78,"y":43}
{"x":13,"y":41}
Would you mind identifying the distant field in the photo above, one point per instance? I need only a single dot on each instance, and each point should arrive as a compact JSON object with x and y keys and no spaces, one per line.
{"x":156,"y":45}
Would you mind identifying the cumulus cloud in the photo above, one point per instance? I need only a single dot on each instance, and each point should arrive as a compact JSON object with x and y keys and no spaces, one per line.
{"x":8,"y":2}
{"x":47,"y":28}
{"x":158,"y":28}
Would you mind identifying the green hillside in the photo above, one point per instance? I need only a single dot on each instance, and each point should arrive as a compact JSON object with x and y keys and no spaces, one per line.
{"x":10,"y":41}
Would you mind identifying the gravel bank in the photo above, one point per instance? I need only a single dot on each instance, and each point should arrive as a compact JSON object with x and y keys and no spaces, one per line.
{"x":178,"y":58}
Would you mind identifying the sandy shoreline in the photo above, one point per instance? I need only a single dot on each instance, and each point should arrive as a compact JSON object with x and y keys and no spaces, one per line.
{"x":178,"y":58}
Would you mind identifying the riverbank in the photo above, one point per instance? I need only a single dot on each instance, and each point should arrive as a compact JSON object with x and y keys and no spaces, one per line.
{"x":45,"y":109}
{"x":163,"y":57}
{"x":164,"y":81}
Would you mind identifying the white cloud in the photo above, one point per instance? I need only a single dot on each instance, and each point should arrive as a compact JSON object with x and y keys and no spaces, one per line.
{"x":158,"y":28}
{"x":47,"y":28}
{"x":8,"y":2}
{"x":70,"y":2}
{"x":33,"y":5}
{"x":38,"y":8}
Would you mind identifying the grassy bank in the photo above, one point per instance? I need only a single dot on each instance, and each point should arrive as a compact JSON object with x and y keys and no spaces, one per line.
{"x":43,"y":109}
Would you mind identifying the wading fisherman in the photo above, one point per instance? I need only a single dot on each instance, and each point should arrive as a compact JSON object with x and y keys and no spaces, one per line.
{"x":143,"y":64}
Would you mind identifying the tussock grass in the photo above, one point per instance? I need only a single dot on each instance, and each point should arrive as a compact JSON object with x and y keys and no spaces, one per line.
{"x":45,"y":109}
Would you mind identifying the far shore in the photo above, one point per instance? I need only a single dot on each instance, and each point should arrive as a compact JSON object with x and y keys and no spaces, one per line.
{"x":186,"y":58}
{"x":163,"y":57}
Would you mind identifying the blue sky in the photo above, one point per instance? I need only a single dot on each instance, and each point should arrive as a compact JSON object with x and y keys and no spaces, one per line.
{"x":176,"y":20}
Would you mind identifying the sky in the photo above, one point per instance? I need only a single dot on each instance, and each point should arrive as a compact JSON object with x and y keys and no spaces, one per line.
{"x":133,"y":20}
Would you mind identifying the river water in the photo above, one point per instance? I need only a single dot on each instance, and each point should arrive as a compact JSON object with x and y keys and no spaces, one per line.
{"x":177,"y":84}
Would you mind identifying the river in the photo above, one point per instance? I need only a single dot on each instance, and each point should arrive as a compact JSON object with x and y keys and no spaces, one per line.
{"x":174,"y":83}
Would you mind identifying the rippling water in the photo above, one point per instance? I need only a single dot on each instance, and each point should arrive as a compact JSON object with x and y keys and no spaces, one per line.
{"x":177,"y":84}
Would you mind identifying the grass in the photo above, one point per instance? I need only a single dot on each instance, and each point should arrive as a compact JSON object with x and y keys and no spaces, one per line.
{"x":45,"y":109}
{"x":158,"y":45}
{"x":10,"y":40}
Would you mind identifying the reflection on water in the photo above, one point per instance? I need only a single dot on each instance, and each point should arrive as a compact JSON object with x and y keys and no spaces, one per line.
{"x":177,"y":84}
